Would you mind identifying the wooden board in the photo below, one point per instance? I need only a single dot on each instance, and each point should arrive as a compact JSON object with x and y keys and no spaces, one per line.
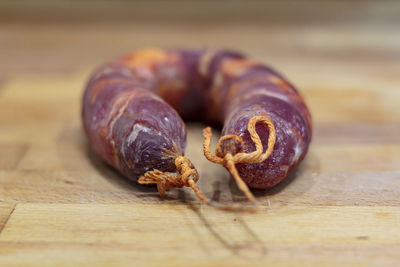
{"x":62,"y":206}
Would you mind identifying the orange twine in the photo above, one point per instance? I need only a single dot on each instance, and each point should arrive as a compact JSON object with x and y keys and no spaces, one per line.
{"x":186,"y":175}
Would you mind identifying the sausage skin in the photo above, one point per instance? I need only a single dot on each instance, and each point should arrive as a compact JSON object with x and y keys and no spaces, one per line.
{"x":132,"y":109}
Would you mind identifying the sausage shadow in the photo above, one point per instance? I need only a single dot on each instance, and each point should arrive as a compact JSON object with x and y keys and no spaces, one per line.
{"x":296,"y":184}
{"x":72,"y":135}
{"x":237,"y":248}
{"x":119,"y":180}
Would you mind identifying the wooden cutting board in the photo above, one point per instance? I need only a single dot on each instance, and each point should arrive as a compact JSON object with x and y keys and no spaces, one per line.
{"x":60,"y":205}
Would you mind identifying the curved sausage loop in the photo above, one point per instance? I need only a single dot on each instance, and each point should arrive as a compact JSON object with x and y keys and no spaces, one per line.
{"x":228,"y":160}
{"x":186,"y":175}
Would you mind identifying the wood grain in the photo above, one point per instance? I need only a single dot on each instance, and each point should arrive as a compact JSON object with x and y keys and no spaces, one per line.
{"x":60,"y":205}
{"x":121,"y":230}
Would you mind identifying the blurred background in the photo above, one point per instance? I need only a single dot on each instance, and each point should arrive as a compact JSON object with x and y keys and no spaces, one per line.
{"x":60,"y":204}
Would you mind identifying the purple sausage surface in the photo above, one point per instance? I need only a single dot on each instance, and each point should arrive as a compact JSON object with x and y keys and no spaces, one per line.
{"x":132,"y":109}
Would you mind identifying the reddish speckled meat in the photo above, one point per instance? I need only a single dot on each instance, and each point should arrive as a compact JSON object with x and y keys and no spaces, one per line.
{"x":131,"y":106}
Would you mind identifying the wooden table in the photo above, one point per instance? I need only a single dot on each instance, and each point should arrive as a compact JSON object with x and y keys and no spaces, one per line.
{"x":60,"y":205}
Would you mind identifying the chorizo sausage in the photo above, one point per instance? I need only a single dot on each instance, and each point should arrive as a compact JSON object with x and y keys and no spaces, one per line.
{"x":132,"y":106}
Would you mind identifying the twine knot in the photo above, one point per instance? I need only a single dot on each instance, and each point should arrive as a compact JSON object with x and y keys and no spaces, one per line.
{"x":185,"y":172}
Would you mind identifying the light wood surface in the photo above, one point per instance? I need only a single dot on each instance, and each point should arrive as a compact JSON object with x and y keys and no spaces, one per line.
{"x":62,"y":206}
